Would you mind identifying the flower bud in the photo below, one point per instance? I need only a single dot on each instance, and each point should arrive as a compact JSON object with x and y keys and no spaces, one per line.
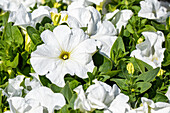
{"x":140,"y":40}
{"x":130,"y":68}
{"x":161,"y":72}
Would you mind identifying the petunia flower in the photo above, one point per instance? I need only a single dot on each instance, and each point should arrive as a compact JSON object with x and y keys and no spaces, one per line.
{"x":47,"y":98}
{"x":119,"y":18}
{"x":100,"y":96}
{"x":14,"y":88}
{"x":86,"y":17}
{"x":148,"y":106}
{"x":150,"y":51}
{"x":23,"y":18}
{"x":106,"y":35}
{"x":65,"y":51}
{"x":152,"y":9}
{"x":21,"y":105}
{"x":12,"y":5}
{"x":38,"y":100}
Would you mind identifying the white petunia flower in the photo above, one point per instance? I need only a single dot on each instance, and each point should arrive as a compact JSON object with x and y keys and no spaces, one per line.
{"x":148,"y":106}
{"x":101,"y":96}
{"x":152,"y":9}
{"x":106,"y":35}
{"x":81,"y":102}
{"x":23,"y":18}
{"x":119,"y":18}
{"x":65,"y":51}
{"x":13,"y":5}
{"x":87,"y":17}
{"x":150,"y":51}
{"x":47,"y":98}
{"x":14,"y":88}
{"x":21,"y":105}
{"x":119,"y":104}
{"x":39,"y":100}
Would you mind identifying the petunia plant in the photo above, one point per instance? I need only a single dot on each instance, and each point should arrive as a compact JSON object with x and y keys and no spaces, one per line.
{"x":84,"y":56}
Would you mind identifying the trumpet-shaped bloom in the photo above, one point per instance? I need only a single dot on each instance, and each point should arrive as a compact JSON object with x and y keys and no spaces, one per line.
{"x":65,"y":51}
{"x":12,"y":5}
{"x":150,"y":51}
{"x":119,"y":18}
{"x":21,"y":105}
{"x":105,"y":34}
{"x":47,"y":98}
{"x":23,"y":18}
{"x":152,"y":9}
{"x":87,"y":17}
{"x":100,"y":96}
{"x":14,"y":88}
{"x":148,"y":106}
{"x":37,"y":101}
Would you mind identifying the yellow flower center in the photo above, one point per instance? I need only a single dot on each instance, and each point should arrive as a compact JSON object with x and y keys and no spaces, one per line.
{"x":64,"y":55}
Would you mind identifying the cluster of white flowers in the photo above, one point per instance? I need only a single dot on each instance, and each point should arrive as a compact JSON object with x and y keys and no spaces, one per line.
{"x":69,"y":50}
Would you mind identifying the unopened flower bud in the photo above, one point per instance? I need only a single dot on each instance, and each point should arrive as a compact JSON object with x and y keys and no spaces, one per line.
{"x":130,"y":68}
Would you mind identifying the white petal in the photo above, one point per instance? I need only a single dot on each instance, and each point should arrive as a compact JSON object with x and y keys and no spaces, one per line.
{"x":44,"y":59}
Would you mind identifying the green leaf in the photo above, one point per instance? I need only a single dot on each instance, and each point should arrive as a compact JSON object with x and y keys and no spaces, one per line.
{"x":55,"y":88}
{"x":121,"y":83}
{"x":74,"y":84}
{"x":117,"y":48}
{"x":106,"y":66}
{"x":64,"y":109}
{"x":16,"y":34}
{"x":143,"y":86}
{"x":91,"y":77}
{"x":147,"y":28}
{"x":103,"y":63}
{"x":45,"y":81}
{"x":136,"y":8}
{"x":13,"y":34}
{"x":73,"y":98}
{"x":34,"y":35}
{"x":112,"y":73}
{"x":14,"y":63}
{"x":149,"y":75}
{"x":158,"y":26}
{"x":67,"y":92}
{"x":130,"y":28}
{"x":159,"y":97}
{"x":118,"y":44}
{"x":140,"y":65}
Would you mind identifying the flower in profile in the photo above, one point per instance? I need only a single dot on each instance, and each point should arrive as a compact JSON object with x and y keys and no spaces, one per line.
{"x":119,"y":18}
{"x":65,"y":51}
{"x":23,"y":18}
{"x":12,"y":5}
{"x":105,"y":34}
{"x":101,"y":96}
{"x":148,"y":106}
{"x":150,"y":51}
{"x":152,"y":9}
{"x":47,"y":98}
{"x":14,"y":88}
{"x":39,"y":100}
